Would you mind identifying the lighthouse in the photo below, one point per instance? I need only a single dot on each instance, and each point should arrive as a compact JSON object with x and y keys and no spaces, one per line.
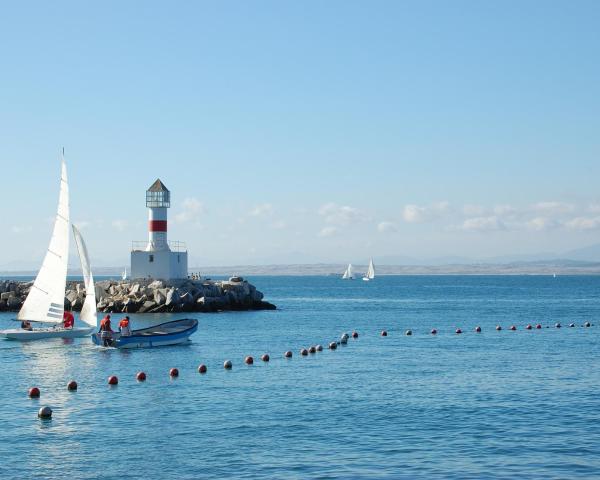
{"x":158,"y":258}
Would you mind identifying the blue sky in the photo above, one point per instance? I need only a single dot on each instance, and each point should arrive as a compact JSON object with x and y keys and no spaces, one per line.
{"x":293,"y":132}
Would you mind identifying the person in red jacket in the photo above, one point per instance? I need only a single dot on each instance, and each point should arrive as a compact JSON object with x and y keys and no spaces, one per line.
{"x":68,"y":319}
{"x":106,"y":331}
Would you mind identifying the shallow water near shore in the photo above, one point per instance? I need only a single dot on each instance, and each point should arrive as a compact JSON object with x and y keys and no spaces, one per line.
{"x":522,"y":404}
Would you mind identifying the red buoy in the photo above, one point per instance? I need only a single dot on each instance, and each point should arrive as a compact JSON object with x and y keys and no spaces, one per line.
{"x":202,"y":368}
{"x":478,"y":329}
{"x":174,"y":372}
{"x":113,"y":380}
{"x":34,"y":392}
{"x":538,"y":326}
{"x":498,"y":327}
{"x":513,"y":328}
{"x":384,"y":333}
{"x":433,"y":331}
{"x":265,"y":357}
{"x":140,"y":377}
{"x":458,"y":331}
{"x":354,"y":334}
{"x":528,"y":327}
{"x":248,"y":360}
{"x":287,"y":354}
{"x":72,"y":385}
{"x":304,"y":352}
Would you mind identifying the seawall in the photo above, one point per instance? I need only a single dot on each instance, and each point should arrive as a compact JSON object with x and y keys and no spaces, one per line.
{"x":150,"y":296}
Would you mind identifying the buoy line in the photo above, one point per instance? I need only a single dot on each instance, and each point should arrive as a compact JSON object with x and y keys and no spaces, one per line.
{"x":45,"y":412}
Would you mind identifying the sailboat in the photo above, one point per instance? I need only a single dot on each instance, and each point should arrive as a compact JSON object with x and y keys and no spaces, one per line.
{"x":348,"y":274}
{"x":45,"y":302}
{"x":124,"y":274}
{"x":370,"y":275}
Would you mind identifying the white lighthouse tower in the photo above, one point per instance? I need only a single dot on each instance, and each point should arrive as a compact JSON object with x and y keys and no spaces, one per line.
{"x":158,"y":258}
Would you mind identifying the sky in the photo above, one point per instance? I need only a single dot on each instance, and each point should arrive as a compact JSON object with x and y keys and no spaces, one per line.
{"x":303,"y":132}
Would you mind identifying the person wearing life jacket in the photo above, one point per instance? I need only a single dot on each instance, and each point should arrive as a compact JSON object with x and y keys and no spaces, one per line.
{"x":124,"y":327}
{"x":68,"y":319}
{"x":106,"y":331}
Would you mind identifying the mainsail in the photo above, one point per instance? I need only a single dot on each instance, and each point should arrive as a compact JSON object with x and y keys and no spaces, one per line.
{"x":371,"y":270}
{"x":45,"y":302}
{"x":348,"y":275}
{"x":88,"y":311}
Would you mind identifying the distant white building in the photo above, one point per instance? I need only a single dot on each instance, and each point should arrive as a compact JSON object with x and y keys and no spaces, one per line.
{"x":158,"y":258}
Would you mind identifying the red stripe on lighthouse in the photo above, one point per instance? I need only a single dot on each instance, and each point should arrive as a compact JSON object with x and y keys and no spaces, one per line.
{"x":157,"y":225}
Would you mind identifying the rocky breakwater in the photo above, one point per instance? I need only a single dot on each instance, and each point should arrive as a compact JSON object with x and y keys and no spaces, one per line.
{"x":147,"y":296}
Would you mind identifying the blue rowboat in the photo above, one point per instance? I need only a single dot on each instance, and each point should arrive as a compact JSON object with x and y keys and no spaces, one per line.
{"x":170,"y":333}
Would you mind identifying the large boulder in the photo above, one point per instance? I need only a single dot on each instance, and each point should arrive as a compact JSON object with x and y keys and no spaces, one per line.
{"x":156,"y":284}
{"x":13,"y":303}
{"x":147,"y":306}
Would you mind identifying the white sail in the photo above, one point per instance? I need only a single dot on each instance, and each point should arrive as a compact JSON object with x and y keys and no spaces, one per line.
{"x":124,"y":274}
{"x":88,"y":311}
{"x":45,"y":302}
{"x":348,"y":275}
{"x":371,"y":270}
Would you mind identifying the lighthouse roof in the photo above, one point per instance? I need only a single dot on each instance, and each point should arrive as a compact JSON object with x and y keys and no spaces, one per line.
{"x":158,"y":186}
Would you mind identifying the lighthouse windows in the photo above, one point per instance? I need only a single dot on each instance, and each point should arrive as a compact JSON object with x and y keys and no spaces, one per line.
{"x":150,"y":258}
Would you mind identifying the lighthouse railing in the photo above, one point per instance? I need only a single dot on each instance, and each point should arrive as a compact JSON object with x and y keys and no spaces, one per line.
{"x":174,"y":246}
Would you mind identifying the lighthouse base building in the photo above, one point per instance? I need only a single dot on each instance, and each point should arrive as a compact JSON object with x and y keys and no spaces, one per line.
{"x":157,"y":258}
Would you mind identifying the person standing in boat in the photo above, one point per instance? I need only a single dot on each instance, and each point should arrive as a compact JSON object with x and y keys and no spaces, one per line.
{"x":124,"y":327}
{"x":68,"y":319}
{"x":106,"y":331}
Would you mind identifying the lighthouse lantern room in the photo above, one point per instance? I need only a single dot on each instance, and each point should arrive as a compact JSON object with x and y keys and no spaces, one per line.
{"x":158,"y":258}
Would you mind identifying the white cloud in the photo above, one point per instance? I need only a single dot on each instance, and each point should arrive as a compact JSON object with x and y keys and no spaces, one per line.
{"x":553,"y":207}
{"x":504,"y":210}
{"x":328,"y":232}
{"x":191,"y":211}
{"x":341,"y":214}
{"x":583,"y":223}
{"x":541,"y":223}
{"x":18,"y":229}
{"x":594,"y":208}
{"x":386,"y":227}
{"x":120,"y":225}
{"x":262,"y":210}
{"x":483,"y":224}
{"x":419,"y":214}
{"x":473,"y":210}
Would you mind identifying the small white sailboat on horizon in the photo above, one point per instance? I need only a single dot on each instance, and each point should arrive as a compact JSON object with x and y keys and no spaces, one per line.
{"x":370,"y":275}
{"x":124,"y":274}
{"x":348,"y":274}
{"x":45,"y":302}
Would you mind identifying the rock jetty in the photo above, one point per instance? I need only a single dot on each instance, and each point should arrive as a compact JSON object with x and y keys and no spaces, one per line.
{"x":150,"y":296}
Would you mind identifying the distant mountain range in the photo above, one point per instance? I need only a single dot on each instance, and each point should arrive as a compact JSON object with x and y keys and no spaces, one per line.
{"x":580,"y":261}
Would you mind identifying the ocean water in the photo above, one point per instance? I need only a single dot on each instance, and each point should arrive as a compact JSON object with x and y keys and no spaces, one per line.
{"x":499,"y":405}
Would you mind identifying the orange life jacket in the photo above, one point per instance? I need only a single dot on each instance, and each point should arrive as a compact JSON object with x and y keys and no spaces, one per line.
{"x":124,"y":323}
{"x":105,"y":324}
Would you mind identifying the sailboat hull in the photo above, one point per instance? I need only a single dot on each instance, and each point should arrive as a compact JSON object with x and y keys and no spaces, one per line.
{"x":43,"y":333}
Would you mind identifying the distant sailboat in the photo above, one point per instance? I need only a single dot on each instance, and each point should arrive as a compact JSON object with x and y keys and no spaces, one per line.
{"x":348,"y":274}
{"x":124,"y":274}
{"x":45,"y":301}
{"x":370,"y":275}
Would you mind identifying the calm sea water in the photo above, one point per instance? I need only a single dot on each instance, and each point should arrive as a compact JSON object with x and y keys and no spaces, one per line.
{"x":504,"y":405}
